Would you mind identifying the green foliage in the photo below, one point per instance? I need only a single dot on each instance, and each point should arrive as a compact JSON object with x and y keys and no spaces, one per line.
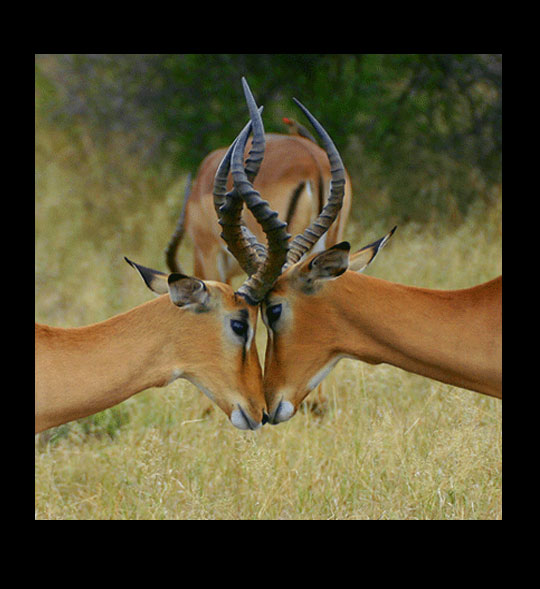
{"x":424,"y":128}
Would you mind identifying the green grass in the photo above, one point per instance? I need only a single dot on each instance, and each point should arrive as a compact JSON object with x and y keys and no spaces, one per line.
{"x":390,"y":445}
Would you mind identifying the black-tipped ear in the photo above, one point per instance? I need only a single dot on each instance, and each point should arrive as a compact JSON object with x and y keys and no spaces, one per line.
{"x":156,"y":281}
{"x":363,"y":257}
{"x":186,"y":290}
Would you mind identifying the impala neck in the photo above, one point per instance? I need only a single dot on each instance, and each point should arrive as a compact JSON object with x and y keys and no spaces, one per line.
{"x":102,"y":364}
{"x":450,"y":336}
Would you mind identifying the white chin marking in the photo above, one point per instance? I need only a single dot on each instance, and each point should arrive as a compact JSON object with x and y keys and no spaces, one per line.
{"x":239,"y":420}
{"x":284,"y":412}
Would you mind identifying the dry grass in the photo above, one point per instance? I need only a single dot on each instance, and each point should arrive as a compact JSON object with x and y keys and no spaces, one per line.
{"x":390,"y":445}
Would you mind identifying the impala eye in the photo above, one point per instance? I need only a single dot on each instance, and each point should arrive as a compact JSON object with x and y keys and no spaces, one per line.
{"x":273,"y":313}
{"x":240,"y":328}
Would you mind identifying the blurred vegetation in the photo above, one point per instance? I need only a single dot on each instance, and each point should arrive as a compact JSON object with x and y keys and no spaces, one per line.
{"x":421,"y":134}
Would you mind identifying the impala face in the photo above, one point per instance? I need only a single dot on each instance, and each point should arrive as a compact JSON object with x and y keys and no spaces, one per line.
{"x":305,"y":319}
{"x":299,"y":316}
{"x":228,"y":369}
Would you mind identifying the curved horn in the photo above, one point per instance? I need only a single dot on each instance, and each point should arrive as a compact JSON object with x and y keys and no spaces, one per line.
{"x":306,"y":240}
{"x":257,"y":285}
{"x":240,"y":241}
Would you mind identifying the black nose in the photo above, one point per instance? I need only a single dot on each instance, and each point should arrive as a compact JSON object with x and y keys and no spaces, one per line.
{"x":265,"y":418}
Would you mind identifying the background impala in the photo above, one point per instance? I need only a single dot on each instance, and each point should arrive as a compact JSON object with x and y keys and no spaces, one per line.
{"x":295,"y":180}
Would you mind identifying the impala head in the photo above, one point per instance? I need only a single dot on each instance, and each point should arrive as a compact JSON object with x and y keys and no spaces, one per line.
{"x":212,"y":345}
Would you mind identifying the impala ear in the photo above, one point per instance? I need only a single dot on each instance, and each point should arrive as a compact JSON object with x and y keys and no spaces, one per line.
{"x":361,"y":259}
{"x":324,"y":266}
{"x":156,"y":281}
{"x":186,"y":290}
{"x":183,"y":290}
{"x":332,"y":262}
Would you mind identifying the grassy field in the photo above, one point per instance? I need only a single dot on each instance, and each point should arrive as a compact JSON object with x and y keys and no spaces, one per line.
{"x":389,"y":445}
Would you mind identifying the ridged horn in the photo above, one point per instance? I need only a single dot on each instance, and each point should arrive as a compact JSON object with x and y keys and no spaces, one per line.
{"x":240,"y":241}
{"x":306,"y":240}
{"x":258,"y":284}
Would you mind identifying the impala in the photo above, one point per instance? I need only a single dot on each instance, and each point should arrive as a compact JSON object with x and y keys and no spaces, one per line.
{"x":198,"y":330}
{"x":294,"y":178}
{"x":320,"y":310}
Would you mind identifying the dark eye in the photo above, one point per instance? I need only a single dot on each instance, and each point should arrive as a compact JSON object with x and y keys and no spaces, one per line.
{"x":273,"y":313}
{"x":239,"y":327}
